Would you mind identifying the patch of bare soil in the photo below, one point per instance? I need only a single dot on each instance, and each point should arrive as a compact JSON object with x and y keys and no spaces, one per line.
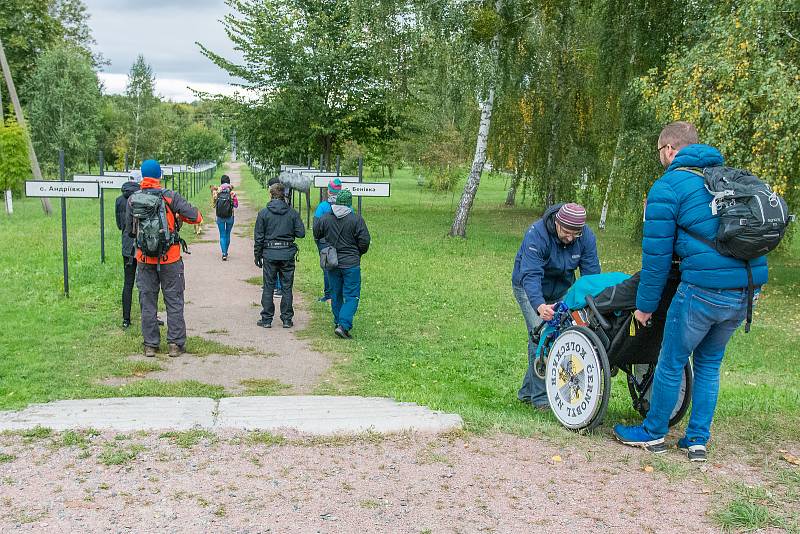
{"x":399,"y":484}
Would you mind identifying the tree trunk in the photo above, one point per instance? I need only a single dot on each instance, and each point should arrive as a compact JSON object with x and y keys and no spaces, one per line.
{"x":9,"y":202}
{"x":611,"y":175}
{"x":459,"y":228}
{"x":552,"y":147}
{"x":511,"y":197}
{"x":12,"y":93}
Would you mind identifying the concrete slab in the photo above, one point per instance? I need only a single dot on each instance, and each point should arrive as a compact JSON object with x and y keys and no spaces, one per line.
{"x":306,"y":414}
{"x":122,"y":414}
{"x":330,"y":415}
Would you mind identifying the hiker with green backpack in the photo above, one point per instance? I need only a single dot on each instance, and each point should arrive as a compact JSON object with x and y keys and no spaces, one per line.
{"x":719,"y":222}
{"x":154,"y":217}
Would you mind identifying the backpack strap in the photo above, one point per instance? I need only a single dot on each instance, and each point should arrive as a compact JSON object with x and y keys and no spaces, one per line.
{"x":750,"y":286}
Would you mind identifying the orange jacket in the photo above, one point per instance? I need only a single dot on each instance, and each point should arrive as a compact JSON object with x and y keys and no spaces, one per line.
{"x":176,"y":204}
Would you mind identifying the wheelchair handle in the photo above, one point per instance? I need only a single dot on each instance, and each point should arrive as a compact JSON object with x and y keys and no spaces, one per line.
{"x":600,"y":319}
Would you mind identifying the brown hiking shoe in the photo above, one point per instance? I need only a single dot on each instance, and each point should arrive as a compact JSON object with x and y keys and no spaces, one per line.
{"x":150,"y":352}
{"x":175,"y":350}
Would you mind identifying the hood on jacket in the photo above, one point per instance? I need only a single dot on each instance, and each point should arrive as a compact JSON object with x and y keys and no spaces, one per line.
{"x":549,"y":218}
{"x":223,"y":187}
{"x":341,"y":211}
{"x":697,"y":156}
{"x":151,"y":183}
{"x":278,"y":206}
{"x":129,"y":188}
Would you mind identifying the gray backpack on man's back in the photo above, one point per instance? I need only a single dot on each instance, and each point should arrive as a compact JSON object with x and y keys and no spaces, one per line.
{"x":752,"y":217}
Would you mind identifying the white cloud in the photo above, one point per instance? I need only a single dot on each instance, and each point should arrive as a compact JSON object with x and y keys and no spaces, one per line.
{"x":170,"y":88}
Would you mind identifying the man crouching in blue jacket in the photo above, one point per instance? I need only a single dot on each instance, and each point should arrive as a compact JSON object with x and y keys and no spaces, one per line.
{"x":544,"y":269}
{"x":711,"y":301}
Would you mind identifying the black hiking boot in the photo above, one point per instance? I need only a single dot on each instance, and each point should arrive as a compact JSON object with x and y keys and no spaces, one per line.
{"x":264,"y":324}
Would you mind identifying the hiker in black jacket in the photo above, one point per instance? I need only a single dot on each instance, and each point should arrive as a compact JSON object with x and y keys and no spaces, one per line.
{"x":128,"y":251}
{"x":347,"y":233}
{"x":277,"y":226}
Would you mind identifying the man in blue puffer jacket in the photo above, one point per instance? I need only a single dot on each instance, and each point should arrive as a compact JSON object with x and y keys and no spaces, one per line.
{"x":711,"y":301}
{"x":544,"y":269}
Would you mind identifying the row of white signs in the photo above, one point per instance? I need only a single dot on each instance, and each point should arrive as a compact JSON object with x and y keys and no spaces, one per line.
{"x":350,"y":183}
{"x":88,"y":186}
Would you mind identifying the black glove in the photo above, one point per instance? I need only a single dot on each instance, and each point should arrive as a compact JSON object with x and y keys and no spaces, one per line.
{"x":259,"y":262}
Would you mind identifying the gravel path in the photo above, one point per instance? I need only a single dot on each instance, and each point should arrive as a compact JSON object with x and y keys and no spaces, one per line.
{"x":222,"y":306}
{"x":396,"y":484}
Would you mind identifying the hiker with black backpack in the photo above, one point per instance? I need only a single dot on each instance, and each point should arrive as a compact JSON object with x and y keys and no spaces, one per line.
{"x":225,"y":201}
{"x":719,"y":222}
{"x":277,"y":227}
{"x":154,"y":217}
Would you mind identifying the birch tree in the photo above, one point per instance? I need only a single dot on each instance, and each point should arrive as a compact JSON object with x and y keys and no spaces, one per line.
{"x":141,"y":100}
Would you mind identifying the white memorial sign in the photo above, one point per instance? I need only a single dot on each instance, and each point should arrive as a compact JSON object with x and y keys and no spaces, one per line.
{"x":105,"y":181}
{"x":321,"y":180}
{"x":367,"y":189}
{"x":46,"y":188}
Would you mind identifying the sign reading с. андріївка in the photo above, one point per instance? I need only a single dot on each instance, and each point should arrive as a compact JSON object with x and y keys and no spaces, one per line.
{"x":46,"y":188}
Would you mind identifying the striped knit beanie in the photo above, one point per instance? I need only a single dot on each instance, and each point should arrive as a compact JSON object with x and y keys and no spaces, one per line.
{"x":334,"y":187}
{"x":571,"y":216}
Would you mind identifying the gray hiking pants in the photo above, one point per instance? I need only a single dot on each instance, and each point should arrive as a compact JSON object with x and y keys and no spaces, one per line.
{"x":169,"y":279}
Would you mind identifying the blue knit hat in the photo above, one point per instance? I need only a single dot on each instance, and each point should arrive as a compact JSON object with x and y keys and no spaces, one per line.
{"x":151,"y":169}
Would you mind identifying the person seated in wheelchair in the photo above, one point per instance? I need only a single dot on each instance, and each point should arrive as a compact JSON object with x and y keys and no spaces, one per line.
{"x":591,"y":337}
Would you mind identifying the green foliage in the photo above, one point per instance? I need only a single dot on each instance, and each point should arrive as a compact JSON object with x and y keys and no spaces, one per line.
{"x":740,"y":86}
{"x":199,"y":143}
{"x":14,"y":164}
{"x":64,"y":106}
{"x":317,"y":68}
{"x":29,"y":27}
{"x":141,"y":106}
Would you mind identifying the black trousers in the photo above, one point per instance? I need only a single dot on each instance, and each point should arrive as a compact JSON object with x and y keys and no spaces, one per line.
{"x":274,"y":269}
{"x":129,"y":265}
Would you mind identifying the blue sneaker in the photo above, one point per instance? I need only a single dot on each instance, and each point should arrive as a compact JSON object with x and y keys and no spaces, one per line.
{"x":637,"y":436}
{"x":695,"y":450}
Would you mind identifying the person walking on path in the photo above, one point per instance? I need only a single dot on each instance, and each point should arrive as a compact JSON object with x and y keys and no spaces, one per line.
{"x":710,"y":303}
{"x":277,"y":226}
{"x":348,"y":234}
{"x":160,"y":266}
{"x":544,"y":269}
{"x":334,"y":188}
{"x":225,"y":201}
{"x":128,"y":250}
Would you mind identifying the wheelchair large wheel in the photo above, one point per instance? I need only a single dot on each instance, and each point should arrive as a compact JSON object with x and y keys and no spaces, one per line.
{"x":578,"y":379}
{"x":640,"y":386}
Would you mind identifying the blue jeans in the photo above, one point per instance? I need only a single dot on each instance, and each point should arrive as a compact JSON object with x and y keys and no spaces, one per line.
{"x":345,"y":294}
{"x":699,"y":322}
{"x":533,"y":389}
{"x":326,"y":283}
{"x":225,"y":226}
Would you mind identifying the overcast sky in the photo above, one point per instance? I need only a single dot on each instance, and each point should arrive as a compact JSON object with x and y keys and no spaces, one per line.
{"x":164,"y":31}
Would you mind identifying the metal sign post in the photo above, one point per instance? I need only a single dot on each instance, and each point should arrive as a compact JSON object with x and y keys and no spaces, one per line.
{"x":104,"y":181}
{"x":102,"y":216}
{"x":63,"y":190}
{"x":360,"y":178}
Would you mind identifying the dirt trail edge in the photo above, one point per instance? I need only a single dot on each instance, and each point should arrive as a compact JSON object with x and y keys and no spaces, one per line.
{"x":222,"y":306}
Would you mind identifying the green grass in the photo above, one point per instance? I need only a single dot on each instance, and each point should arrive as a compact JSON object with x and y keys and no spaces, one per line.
{"x":113,"y":455}
{"x":265,"y":438}
{"x":437,"y":323}
{"x":189,"y":438}
{"x":57,"y":347}
{"x":266,"y":386}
